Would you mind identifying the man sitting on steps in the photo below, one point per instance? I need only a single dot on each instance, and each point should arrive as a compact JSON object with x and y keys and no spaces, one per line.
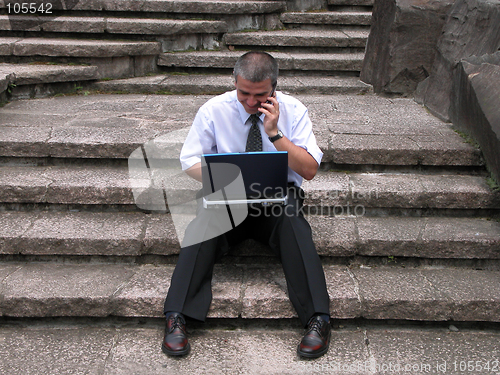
{"x":224,"y":124}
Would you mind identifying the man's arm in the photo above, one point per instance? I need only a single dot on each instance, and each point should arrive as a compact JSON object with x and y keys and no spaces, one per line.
{"x":199,"y":140}
{"x":299,"y":160}
{"x":195,"y":171}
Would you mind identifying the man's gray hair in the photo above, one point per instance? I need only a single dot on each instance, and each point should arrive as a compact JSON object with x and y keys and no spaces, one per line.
{"x":257,"y":67}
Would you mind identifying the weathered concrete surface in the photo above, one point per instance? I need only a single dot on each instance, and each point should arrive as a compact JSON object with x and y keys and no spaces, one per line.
{"x":301,"y":6}
{"x":237,"y":14}
{"x":286,"y":61}
{"x":412,"y":295}
{"x":471,"y":29}
{"x":474,"y":105}
{"x":336,"y":236}
{"x":433,"y":351}
{"x":129,"y":348}
{"x":300,"y":38}
{"x":91,"y":126}
{"x":99,"y":185}
{"x":6,"y":79}
{"x":111,"y":185}
{"x":144,"y":294}
{"x":206,"y":17}
{"x":402,"y":190}
{"x":30,"y":74}
{"x":419,"y":237}
{"x":479,"y":301}
{"x":133,"y":347}
{"x":12,"y":226}
{"x":397,"y":150}
{"x":7,"y":45}
{"x":75,"y":48}
{"x":98,"y":25}
{"x":218,"y":84}
{"x":62,"y":289}
{"x":249,"y":291}
{"x":76,"y":350}
{"x":352,"y":2}
{"x":402,"y":43}
{"x":82,"y":234}
{"x":114,"y":59}
{"x":164,"y":27}
{"x":359,"y":18}
{"x":132,"y":234}
{"x":265,"y":294}
{"x":160,"y":236}
{"x":350,"y":129}
{"x":191,"y":6}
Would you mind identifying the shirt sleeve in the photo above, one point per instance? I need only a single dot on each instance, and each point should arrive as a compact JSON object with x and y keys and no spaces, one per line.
{"x":302,"y":133}
{"x":200,"y":140}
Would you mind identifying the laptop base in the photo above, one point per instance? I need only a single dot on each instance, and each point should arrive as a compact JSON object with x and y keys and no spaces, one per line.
{"x":264,"y":202}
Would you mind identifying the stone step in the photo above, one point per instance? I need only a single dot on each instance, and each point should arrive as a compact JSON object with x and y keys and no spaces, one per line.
{"x":226,"y":348}
{"x":236,"y":347}
{"x":217,"y":84}
{"x":248,"y":291}
{"x":111,"y":25}
{"x":341,"y":38}
{"x":32,"y":74}
{"x":287,"y":61}
{"x":350,"y":129}
{"x":351,"y":2}
{"x":114,"y":58}
{"x":115,"y":234}
{"x":37,"y":80}
{"x":12,"y":46}
{"x":87,"y":185}
{"x":6,"y":79}
{"x":360,"y":18}
{"x":173,"y":6}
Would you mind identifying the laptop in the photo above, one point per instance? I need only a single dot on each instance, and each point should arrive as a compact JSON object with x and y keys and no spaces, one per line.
{"x":243,"y":178}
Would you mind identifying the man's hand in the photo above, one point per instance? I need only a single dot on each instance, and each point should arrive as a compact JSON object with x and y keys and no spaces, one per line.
{"x":272,"y":112}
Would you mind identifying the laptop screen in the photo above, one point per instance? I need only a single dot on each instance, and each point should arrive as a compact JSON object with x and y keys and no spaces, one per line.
{"x":240,"y":176}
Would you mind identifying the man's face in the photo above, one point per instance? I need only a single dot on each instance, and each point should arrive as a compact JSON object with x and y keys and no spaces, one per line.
{"x":251,"y":94}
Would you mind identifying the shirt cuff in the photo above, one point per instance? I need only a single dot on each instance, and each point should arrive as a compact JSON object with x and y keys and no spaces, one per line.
{"x":189,"y":162}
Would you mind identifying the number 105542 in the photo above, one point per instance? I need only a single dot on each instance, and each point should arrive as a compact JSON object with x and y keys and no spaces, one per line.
{"x":29,"y":8}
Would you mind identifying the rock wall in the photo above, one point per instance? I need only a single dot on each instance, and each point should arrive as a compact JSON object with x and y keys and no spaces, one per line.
{"x":446,"y":54}
{"x":402,"y":44}
{"x":472,"y":29}
{"x":475,"y":105}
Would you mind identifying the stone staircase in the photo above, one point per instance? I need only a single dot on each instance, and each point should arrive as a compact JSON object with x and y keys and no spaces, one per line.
{"x":406,"y":224}
{"x":135,"y":39}
{"x":402,"y":212}
{"x":121,"y":39}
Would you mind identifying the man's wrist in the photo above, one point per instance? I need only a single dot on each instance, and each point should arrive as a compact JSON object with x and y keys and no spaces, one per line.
{"x":277,"y":136}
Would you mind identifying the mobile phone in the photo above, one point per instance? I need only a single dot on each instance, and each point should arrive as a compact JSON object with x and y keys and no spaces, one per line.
{"x":272,"y":94}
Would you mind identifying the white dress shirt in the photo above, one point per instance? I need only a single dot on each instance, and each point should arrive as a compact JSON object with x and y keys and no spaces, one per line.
{"x":222,"y":125}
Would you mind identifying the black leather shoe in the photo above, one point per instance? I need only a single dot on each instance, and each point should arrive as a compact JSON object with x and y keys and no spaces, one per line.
{"x":316,"y":340}
{"x":175,"y":341}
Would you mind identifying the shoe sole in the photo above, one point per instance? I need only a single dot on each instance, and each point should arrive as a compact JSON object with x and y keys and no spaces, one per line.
{"x":311,"y":355}
{"x":176,"y":353}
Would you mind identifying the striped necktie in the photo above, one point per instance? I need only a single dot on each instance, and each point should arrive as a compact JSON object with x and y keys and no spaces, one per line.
{"x":254,"y":140}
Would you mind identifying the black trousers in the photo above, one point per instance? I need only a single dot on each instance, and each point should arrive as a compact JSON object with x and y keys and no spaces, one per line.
{"x":283,"y":228}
